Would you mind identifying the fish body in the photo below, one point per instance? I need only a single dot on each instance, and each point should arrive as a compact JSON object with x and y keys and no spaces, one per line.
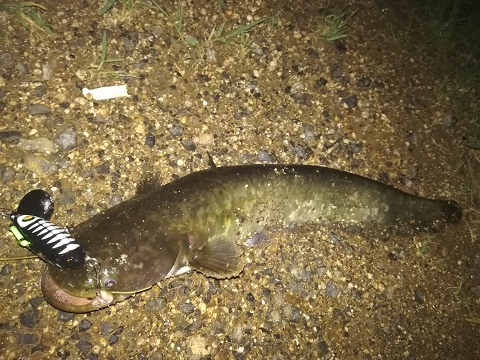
{"x":200,"y":221}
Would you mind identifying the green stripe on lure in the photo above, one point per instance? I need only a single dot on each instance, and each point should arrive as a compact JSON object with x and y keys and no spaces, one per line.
{"x":200,"y":221}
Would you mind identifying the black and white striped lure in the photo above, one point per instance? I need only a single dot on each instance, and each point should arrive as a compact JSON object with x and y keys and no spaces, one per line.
{"x":50,"y":242}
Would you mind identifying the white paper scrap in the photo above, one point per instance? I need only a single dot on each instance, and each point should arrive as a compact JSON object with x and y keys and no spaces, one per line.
{"x":106,"y":92}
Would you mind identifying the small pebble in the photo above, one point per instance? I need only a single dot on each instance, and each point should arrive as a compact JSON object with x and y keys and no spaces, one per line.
{"x":189,"y":145}
{"x":40,"y":90}
{"x":67,"y":139}
{"x":103,"y":168}
{"x":331,"y":289}
{"x":176,"y":131}
{"x":336,"y":71}
{"x":39,"y":165}
{"x":84,"y":347}
{"x":351,"y":101}
{"x":419,"y":295}
{"x":364,"y":82}
{"x":38,"y":109}
{"x":150,"y":140}
{"x":36,"y":301}
{"x":323,"y":348}
{"x":10,"y":135}
{"x":156,"y":305}
{"x":105,"y":329}
{"x":115,"y":337}
{"x":40,"y":144}
{"x":264,"y":156}
{"x":186,"y":308}
{"x":65,"y":316}
{"x":29,"y":318}
{"x":84,"y":325}
{"x":320,"y":83}
{"x":6,"y":270}
{"x":24,"y":339}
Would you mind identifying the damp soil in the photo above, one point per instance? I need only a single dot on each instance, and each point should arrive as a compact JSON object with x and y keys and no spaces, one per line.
{"x":370,"y":103}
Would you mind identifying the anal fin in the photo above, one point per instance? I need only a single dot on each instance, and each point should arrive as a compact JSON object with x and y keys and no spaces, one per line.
{"x":220,"y":257}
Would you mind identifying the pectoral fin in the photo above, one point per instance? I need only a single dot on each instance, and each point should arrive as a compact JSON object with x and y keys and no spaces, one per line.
{"x":220,"y":257}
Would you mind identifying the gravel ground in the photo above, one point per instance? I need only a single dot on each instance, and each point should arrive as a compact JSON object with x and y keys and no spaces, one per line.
{"x":368,"y":104}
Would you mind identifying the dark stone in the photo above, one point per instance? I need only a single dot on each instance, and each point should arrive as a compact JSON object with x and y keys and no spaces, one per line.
{"x":84,"y":347}
{"x":340,"y":46}
{"x":103,"y":168}
{"x":84,"y":325}
{"x":115,"y":336}
{"x":313,"y":53}
{"x":320,"y":83}
{"x":24,"y":339}
{"x":10,"y":135}
{"x":302,"y":98}
{"x":323,"y":348}
{"x":123,"y":118}
{"x":364,"y":82}
{"x":176,"y":130}
{"x":331,"y":289}
{"x":241,"y":113}
{"x":65,"y":316}
{"x":419,"y":294}
{"x":189,"y":145}
{"x":105,"y":328}
{"x":6,"y":269}
{"x":302,"y":152}
{"x":38,"y":347}
{"x":336,"y":71}
{"x":36,"y":301}
{"x":29,"y":318}
{"x":38,"y":109}
{"x":351,"y":101}
{"x":187,"y":308}
{"x":150,"y":140}
{"x":40,"y":90}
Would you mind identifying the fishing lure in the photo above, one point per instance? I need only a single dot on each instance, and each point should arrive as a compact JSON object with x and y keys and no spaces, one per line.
{"x":33,"y":230}
{"x":50,"y":242}
{"x":38,"y":203}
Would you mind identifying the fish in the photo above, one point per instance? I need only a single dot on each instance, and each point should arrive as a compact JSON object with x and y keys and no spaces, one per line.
{"x":200,"y":221}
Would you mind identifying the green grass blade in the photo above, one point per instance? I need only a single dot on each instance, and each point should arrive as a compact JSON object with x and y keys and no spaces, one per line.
{"x":108,"y":5}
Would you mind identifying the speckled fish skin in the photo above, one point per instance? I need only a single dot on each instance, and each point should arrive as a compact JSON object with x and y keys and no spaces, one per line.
{"x":198,"y":221}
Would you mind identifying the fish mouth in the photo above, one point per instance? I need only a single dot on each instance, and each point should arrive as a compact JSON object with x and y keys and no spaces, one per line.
{"x":64,"y":301}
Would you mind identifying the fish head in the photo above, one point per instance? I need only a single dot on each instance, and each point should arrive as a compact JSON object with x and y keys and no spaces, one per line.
{"x":87,"y":289}
{"x":111,"y":273}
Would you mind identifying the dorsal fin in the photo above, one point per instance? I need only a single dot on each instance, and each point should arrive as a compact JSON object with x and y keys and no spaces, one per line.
{"x":211,"y":163}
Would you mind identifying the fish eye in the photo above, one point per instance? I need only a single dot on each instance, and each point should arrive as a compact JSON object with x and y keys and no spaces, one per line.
{"x":109,"y":283}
